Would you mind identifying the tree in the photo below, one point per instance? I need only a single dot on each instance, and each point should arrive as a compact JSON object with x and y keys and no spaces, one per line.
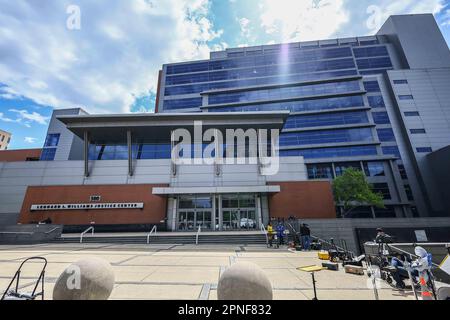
{"x":352,"y":190}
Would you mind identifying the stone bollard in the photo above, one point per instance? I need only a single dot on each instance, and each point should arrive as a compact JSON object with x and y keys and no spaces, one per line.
{"x":86,"y":279}
{"x":443,"y":293}
{"x":244,"y":281}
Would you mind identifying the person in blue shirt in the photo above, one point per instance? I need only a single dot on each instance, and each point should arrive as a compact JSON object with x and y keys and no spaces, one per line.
{"x":280,"y":232}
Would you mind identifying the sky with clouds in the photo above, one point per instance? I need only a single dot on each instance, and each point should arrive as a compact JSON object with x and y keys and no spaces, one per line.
{"x":107,"y":61}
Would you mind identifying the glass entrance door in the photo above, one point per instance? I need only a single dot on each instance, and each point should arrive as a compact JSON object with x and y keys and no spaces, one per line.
{"x":247,"y":219}
{"x":239,"y":212}
{"x":186,"y":221}
{"x":203,"y":220}
{"x":195,"y":212}
{"x":239,"y":219}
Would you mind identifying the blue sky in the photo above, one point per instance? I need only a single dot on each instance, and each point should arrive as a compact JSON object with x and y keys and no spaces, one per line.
{"x":109,"y":62}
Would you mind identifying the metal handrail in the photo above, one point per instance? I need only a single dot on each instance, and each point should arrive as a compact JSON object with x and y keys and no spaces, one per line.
{"x":16,"y":232}
{"x":154,"y":229}
{"x":53,"y":230}
{"x":332,"y":245}
{"x":411,"y":255}
{"x":264,"y":231}
{"x":198,"y":233}
{"x":86,"y":231}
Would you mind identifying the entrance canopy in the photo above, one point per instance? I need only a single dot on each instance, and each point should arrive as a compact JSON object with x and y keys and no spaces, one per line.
{"x":157,"y":127}
{"x":216,"y":190}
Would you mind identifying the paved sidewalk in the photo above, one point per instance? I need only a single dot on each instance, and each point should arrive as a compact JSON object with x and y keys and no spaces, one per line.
{"x":189,"y":271}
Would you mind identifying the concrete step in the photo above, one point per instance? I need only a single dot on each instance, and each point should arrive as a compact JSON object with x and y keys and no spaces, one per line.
{"x":219,"y":238}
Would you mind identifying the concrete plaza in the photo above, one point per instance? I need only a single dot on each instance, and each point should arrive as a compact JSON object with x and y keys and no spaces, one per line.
{"x":188,"y":271}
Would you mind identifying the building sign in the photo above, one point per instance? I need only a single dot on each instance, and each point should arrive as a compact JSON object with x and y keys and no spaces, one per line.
{"x":86,"y":206}
{"x":445,"y":265}
{"x":421,"y":236}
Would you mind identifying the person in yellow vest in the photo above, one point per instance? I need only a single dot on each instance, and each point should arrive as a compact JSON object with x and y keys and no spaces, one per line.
{"x":270,"y":234}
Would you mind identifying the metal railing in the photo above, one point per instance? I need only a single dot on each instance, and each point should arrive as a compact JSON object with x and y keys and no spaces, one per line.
{"x":411,"y":255}
{"x":154,"y":229}
{"x":264,"y":231}
{"x":16,"y":232}
{"x":330,"y":245}
{"x":198,"y":233}
{"x":53,"y":230}
{"x":86,"y":231}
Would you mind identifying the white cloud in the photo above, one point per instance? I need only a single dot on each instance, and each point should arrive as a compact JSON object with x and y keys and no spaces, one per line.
{"x":30,"y":140}
{"x":219,"y":46}
{"x":382,"y":9}
{"x":244,"y":24}
{"x":294,"y":20}
{"x":446,"y":18}
{"x":27,"y":117}
{"x":6,"y":119}
{"x":113,"y":58}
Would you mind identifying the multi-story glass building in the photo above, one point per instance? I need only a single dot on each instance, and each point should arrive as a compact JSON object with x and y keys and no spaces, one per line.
{"x":380,"y":104}
{"x":376,"y":103}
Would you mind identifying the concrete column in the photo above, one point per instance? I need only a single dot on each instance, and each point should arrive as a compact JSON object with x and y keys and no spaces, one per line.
{"x":213,"y":216}
{"x":259,"y":211}
{"x":130,"y":153}
{"x":220,"y":213}
{"x":86,"y":153}
{"x":174,"y":213}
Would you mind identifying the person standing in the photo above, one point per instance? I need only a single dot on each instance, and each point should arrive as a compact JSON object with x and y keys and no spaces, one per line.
{"x":280,"y":233}
{"x":306,"y":237}
{"x":270,"y":234}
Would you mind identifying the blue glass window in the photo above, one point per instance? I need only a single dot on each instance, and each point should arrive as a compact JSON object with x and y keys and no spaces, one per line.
{"x":409,"y":192}
{"x":424,"y":149}
{"x":412,"y":114}
{"x":299,"y":106}
{"x":376,"y":101}
{"x":139,"y":151}
{"x":374,"y":63}
{"x":188,"y":67}
{"x":52,"y":140}
{"x":392,"y":150}
{"x":370,"y":52}
{"x":269,"y":57}
{"x":329,"y":119}
{"x":325,"y":136}
{"x":381,"y":117}
{"x":400,"y":81}
{"x":262,"y":71}
{"x":330,"y":152}
{"x":382,"y":188}
{"x":374,"y":169}
{"x":402,"y":170}
{"x":405,"y":97}
{"x":368,"y":42}
{"x":182,"y":103}
{"x":386,"y":135}
{"x":372,"y":86}
{"x":320,"y":171}
{"x":417,"y":131}
{"x":371,"y":72}
{"x":273,"y":79}
{"x":154,"y":151}
{"x":342,"y":166}
{"x":48,"y":154}
{"x":284,"y":92}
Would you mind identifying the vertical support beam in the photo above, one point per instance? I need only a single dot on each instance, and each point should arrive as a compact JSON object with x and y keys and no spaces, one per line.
{"x":259,"y":210}
{"x":86,"y":154}
{"x":220,"y":212}
{"x":173,"y":156}
{"x":130,"y":154}
{"x":174,"y":213}
{"x":213,"y":214}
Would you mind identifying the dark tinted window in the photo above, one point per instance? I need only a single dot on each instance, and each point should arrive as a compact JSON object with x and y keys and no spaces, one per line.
{"x":382,"y":188}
